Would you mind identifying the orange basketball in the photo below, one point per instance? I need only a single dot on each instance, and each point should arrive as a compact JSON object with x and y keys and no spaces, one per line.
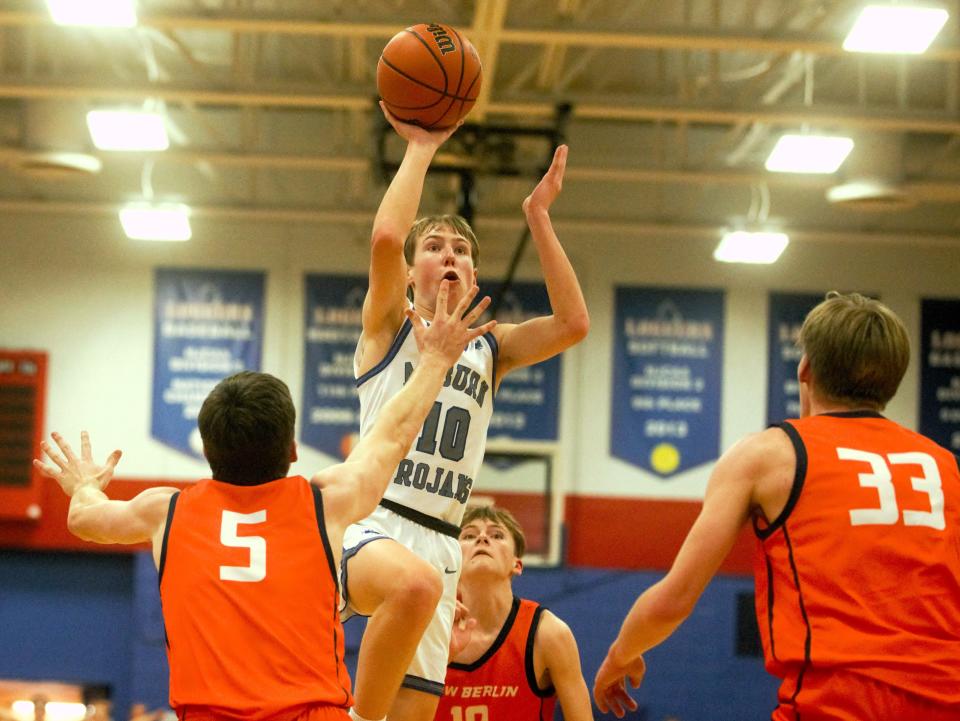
{"x":429,"y":74}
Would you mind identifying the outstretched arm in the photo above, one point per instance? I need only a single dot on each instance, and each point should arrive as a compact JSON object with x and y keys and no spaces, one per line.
{"x":93,"y":516}
{"x":384,"y":304}
{"x":558,"y":649}
{"x":353,"y":488}
{"x":540,"y":338}
{"x":664,"y":606}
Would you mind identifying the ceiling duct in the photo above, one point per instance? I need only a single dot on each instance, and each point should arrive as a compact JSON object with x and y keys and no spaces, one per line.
{"x":55,"y":142}
{"x":873,"y":175}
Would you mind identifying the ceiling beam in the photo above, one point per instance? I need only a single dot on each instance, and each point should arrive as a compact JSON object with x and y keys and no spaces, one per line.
{"x":921,"y":190}
{"x":588,"y":226}
{"x":519,"y":36}
{"x":582,"y":110}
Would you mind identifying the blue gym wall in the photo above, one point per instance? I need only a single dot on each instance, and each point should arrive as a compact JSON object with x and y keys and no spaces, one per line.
{"x":92,"y":618}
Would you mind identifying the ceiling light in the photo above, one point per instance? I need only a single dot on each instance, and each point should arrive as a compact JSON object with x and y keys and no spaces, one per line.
{"x":145,"y":221}
{"x":745,"y":247}
{"x":127,"y":130}
{"x":895,"y":29}
{"x":95,"y":13}
{"x":809,"y":154}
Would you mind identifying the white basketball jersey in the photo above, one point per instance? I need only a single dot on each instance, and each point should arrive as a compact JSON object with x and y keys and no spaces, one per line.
{"x":438,"y":472}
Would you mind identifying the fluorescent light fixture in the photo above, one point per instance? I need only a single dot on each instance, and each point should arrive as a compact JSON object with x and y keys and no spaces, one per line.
{"x":809,"y":154}
{"x":745,"y":247}
{"x":94,"y":13}
{"x":55,"y":711}
{"x":145,"y":221}
{"x":895,"y":29}
{"x":127,"y":130}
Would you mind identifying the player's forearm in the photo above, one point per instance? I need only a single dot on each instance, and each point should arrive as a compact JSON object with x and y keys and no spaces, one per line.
{"x":653,"y":618}
{"x":400,"y":203}
{"x":563,"y":288}
{"x":82,"y":515}
{"x":397,"y":426}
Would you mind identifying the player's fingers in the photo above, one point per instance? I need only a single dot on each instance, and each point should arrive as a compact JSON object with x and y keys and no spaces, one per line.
{"x":64,"y":446}
{"x":464,"y":304}
{"x":48,"y":471}
{"x":113,"y":459}
{"x":53,"y":455}
{"x":477,"y":310}
{"x":443,"y":293}
{"x":415,"y":320}
{"x":86,"y":452}
{"x":482,"y":329}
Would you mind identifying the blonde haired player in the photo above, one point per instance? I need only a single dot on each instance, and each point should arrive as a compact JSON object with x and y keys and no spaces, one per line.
{"x":405,"y":555}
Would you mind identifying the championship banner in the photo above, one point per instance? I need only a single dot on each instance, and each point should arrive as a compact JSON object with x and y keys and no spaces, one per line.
{"x":667,"y":372}
{"x":332,"y":325}
{"x":940,"y":372}
{"x":208,"y":324}
{"x":787,"y":313}
{"x":527,"y":404}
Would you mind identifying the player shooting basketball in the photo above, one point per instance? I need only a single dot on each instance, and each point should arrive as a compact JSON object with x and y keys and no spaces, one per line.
{"x":406,"y":556}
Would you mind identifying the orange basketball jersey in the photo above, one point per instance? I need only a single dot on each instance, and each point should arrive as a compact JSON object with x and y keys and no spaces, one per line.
{"x":501,"y":685}
{"x":859,"y":577}
{"x":249,"y":594}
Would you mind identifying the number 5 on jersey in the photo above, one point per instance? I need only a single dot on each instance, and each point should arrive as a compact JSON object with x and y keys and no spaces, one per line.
{"x":256,"y":570}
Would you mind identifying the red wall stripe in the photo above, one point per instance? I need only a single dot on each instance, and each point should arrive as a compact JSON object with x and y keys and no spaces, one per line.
{"x":639,"y":533}
{"x":602,"y":532}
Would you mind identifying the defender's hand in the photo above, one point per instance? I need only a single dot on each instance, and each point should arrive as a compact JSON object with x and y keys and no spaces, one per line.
{"x":463,"y":625}
{"x":72,"y":472}
{"x":610,"y":688}
{"x":450,"y":330}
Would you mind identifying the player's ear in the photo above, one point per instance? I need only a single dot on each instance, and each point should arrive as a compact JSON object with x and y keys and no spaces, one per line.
{"x":517,"y":567}
{"x":293,"y":452}
{"x":803,"y":369}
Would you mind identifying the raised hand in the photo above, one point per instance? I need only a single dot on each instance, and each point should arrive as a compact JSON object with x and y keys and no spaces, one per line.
{"x":550,"y":184}
{"x":72,"y":472}
{"x":610,"y":687}
{"x":415,"y":134}
{"x":463,"y":625}
{"x":449,"y":331}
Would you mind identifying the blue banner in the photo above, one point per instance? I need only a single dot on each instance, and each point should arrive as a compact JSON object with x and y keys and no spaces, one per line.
{"x":332,"y":325}
{"x":787,"y":313}
{"x":527,"y":404}
{"x":667,"y":372}
{"x":940,"y":372}
{"x":208,"y":324}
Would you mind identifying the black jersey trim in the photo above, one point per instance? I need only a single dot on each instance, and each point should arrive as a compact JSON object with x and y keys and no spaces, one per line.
{"x":528,"y":658}
{"x":322,"y":527}
{"x":391,"y":353}
{"x":497,"y":642}
{"x":328,"y":552}
{"x":806,"y":620}
{"x":854,"y":414}
{"x":421,"y":519}
{"x":166,"y":537}
{"x":163,"y":561}
{"x":770,"y":600}
{"x":799,"y":476}
{"x":495,"y":349}
{"x":434,"y":688}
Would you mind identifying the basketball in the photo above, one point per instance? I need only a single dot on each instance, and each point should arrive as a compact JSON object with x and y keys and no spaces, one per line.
{"x":430,"y":75}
